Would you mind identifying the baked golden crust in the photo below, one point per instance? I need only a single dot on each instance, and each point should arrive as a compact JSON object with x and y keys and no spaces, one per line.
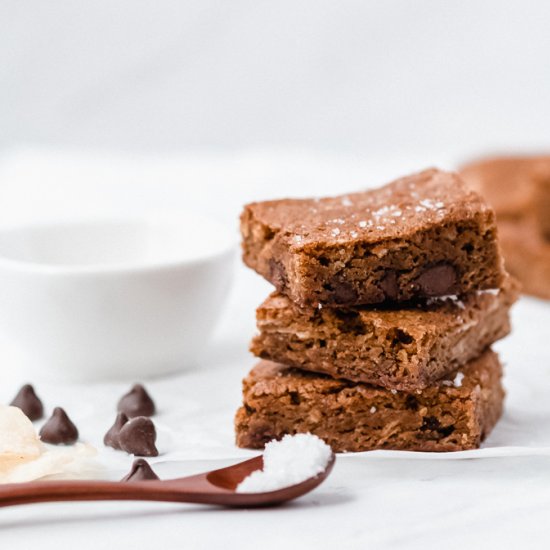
{"x":420,"y":236}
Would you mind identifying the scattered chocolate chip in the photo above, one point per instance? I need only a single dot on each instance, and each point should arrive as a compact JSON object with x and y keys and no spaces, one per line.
{"x":111,"y":437}
{"x":138,"y":437}
{"x":388,"y":285}
{"x":140,"y":471}
{"x":137,"y":402}
{"x":27,"y":400}
{"x":59,"y":429}
{"x":437,"y":280}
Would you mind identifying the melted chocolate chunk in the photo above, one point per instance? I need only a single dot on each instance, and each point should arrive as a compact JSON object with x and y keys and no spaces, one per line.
{"x":388,"y":285}
{"x":433,"y":425}
{"x":344,"y":293}
{"x":295,"y":397}
{"x":137,"y":402}
{"x":138,"y":437}
{"x":278,"y":274}
{"x":411,"y":402}
{"x":438,"y":280}
{"x":111,"y":437}
{"x":350,"y":321}
{"x":59,"y":429}
{"x":430,"y":423}
{"x":27,"y":400}
{"x":140,"y":471}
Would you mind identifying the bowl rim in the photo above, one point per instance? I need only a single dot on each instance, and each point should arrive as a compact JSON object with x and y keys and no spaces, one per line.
{"x":227,"y":246}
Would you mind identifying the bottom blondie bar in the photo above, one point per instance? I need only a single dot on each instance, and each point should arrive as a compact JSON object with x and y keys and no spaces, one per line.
{"x":453,"y":414}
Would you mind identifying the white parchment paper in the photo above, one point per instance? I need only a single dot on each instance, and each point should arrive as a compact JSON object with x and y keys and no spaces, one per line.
{"x":497,"y":499}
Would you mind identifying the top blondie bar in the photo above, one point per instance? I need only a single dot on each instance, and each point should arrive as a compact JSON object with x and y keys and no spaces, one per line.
{"x":421,"y":236}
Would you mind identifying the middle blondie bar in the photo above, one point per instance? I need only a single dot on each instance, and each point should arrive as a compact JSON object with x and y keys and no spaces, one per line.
{"x":403,"y":349}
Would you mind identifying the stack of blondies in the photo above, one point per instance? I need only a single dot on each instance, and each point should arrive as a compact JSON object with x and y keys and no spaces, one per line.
{"x":378,"y":334}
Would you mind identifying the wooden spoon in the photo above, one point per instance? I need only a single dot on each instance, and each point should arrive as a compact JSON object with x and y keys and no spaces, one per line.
{"x":216,"y":487}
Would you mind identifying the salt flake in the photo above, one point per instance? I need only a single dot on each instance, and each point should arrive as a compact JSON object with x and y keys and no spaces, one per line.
{"x":289,"y":461}
{"x":458,"y":380}
{"x":346,"y":201}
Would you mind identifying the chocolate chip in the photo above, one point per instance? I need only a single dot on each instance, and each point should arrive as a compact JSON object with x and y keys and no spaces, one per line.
{"x":344,"y":293}
{"x":350,"y":321}
{"x":434,"y":430}
{"x":294,"y":397}
{"x":59,"y":429}
{"x":277,"y":274}
{"x":258,"y":437}
{"x":111,"y":437}
{"x":27,"y":400}
{"x":388,"y":285}
{"x":398,"y":336}
{"x":140,"y":471}
{"x":446,"y":431}
{"x":430,"y":423}
{"x":137,"y":402}
{"x":437,"y":280}
{"x":138,"y":437}
{"x":411,"y":402}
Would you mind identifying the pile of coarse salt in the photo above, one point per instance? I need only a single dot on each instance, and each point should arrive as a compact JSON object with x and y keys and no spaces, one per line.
{"x":289,"y":461}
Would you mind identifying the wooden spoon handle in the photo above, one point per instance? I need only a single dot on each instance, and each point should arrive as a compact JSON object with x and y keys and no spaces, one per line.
{"x":55,"y":491}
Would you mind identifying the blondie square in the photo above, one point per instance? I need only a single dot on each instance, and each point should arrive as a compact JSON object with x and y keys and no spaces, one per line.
{"x":421,"y":236}
{"x":514,"y":186}
{"x":507,"y":183}
{"x":527,"y":255}
{"x":454,"y":414}
{"x":403,"y":349}
{"x":541,"y":198}
{"x":519,"y":190}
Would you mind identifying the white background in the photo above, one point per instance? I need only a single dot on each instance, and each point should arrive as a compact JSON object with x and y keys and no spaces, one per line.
{"x":372,"y":78}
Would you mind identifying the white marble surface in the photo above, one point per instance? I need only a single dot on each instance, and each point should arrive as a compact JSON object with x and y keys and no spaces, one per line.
{"x":497,"y":497}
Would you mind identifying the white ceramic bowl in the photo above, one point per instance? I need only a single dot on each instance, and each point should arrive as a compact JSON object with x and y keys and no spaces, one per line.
{"x":112,"y":299}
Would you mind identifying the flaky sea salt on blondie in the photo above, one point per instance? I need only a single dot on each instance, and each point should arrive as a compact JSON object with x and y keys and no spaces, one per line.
{"x":421,"y":236}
